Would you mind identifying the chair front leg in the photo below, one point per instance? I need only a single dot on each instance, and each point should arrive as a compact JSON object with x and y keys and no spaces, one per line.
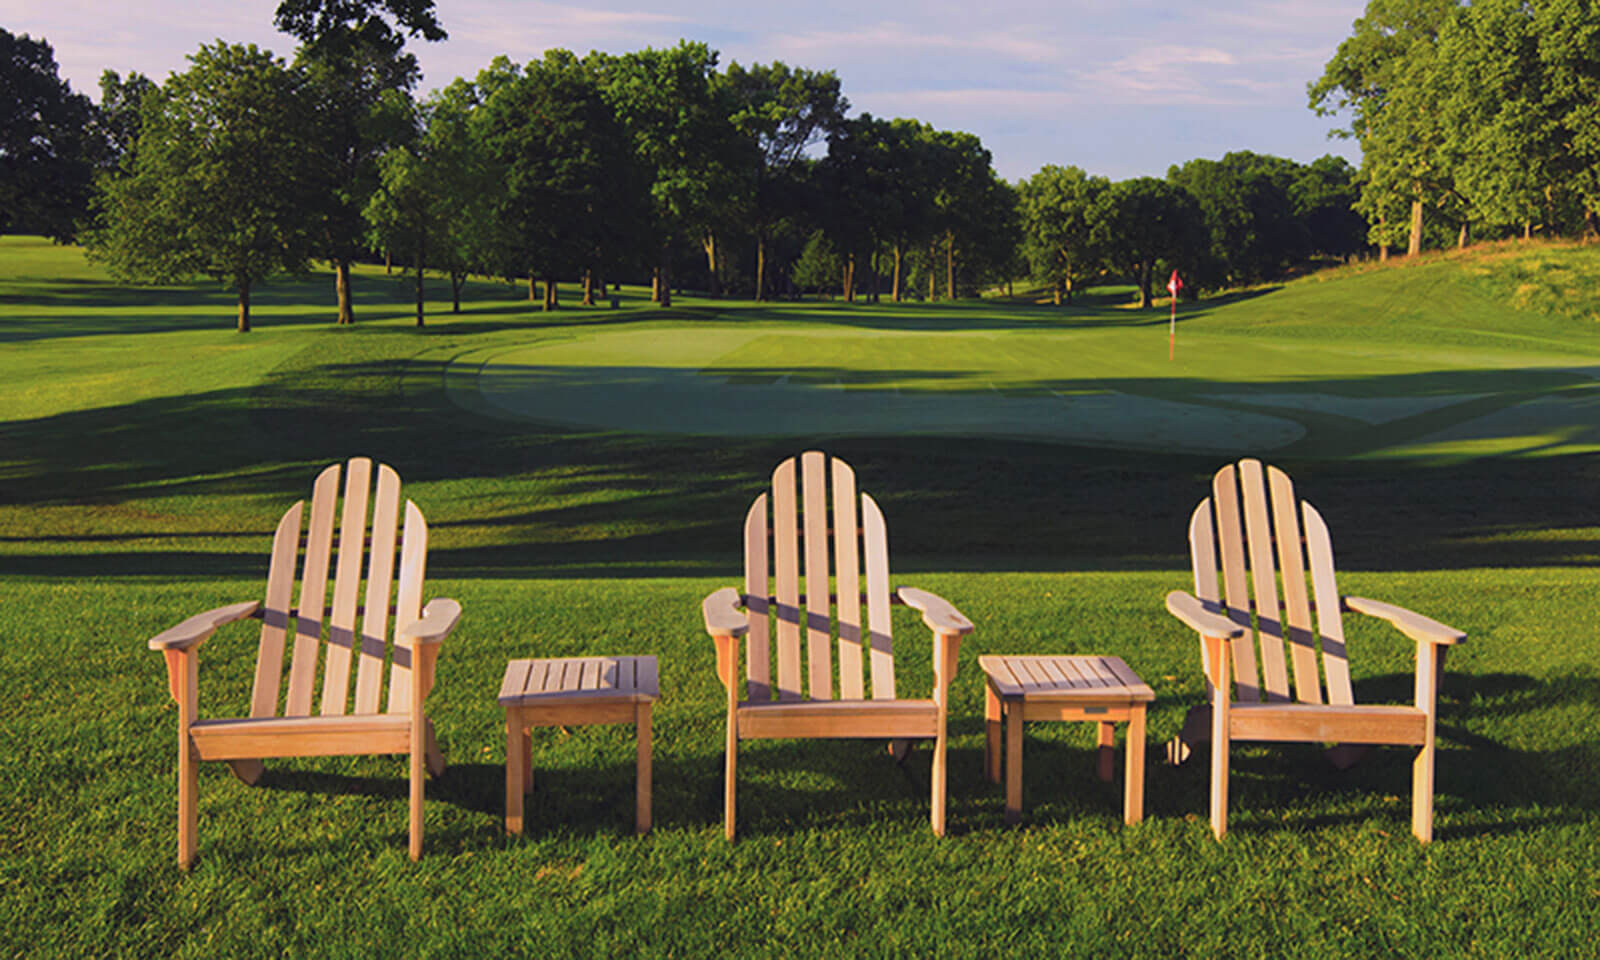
{"x":1221,"y":708}
{"x":728,"y":672}
{"x":1428,"y":667}
{"x":946,"y":650}
{"x":183,"y":682}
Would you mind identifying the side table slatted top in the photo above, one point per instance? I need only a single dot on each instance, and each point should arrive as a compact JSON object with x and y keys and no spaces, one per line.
{"x":1086,"y":678}
{"x":631,"y":679}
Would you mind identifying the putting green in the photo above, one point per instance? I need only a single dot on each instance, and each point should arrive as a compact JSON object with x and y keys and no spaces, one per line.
{"x":1107,"y":387}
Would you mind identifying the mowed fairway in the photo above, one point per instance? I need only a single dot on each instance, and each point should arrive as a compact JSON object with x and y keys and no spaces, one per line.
{"x":1246,"y":378}
{"x":585,"y":474}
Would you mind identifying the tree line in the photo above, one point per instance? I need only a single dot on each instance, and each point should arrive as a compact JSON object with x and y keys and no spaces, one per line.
{"x":1474,"y":119}
{"x":651,"y":166}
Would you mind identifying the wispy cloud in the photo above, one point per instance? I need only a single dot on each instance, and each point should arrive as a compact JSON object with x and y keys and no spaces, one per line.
{"x":890,"y":38}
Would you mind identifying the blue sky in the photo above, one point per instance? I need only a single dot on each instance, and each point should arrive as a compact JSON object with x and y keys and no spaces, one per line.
{"x":1120,"y":89}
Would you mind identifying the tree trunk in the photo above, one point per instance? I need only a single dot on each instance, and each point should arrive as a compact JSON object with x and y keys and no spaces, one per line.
{"x":1527,"y":229}
{"x":533,"y":288}
{"x":850,"y":278}
{"x":1589,"y":231}
{"x":243,"y":284}
{"x":933,"y":258}
{"x":1464,"y":237}
{"x":1415,"y":246}
{"x":664,"y":280}
{"x":419,"y":282}
{"x":872,"y":274}
{"x":761,"y":265}
{"x":552,"y":298}
{"x":898,"y":256}
{"x":458,"y":279}
{"x":655,"y":285}
{"x":341,"y":273}
{"x":388,"y":267}
{"x":1060,"y":287}
{"x":588,"y":288}
{"x":950,"y":265}
{"x":709,"y":242}
{"x":1145,"y":269}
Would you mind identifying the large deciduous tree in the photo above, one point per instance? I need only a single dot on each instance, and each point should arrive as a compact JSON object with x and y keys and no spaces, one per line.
{"x":354,"y":53}
{"x":683,"y":135}
{"x":215,"y":183}
{"x":784,"y":111}
{"x":1144,"y":220}
{"x":46,"y":154}
{"x":1056,"y":206}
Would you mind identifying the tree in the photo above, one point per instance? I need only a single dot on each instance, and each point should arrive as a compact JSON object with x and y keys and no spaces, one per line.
{"x":961,"y":200}
{"x":1141,"y":221}
{"x":1055,"y":206}
{"x":353,"y":52}
{"x":1324,"y":194}
{"x":784,"y":111}
{"x":215,"y":183}
{"x":1382,"y":73}
{"x":1248,"y":215}
{"x":683,"y":137}
{"x":46,"y":156}
{"x":120,"y":104}
{"x":571,"y":193}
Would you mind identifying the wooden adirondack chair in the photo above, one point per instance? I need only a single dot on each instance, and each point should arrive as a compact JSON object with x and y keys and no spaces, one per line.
{"x":337,"y":728}
{"x":1252,"y":512}
{"x":801,"y":703}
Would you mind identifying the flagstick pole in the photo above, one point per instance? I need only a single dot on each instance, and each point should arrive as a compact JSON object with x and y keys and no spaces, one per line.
{"x":1172,"y":329}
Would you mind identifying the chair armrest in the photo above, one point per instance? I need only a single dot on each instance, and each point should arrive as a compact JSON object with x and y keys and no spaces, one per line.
{"x":1194,"y":612}
{"x":198,"y":628}
{"x":939,"y":614}
{"x":1413,"y":625}
{"x":439,"y":618}
{"x":722,"y":614}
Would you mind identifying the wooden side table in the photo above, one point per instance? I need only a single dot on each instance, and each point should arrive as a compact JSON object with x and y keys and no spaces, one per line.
{"x":578,"y":690}
{"x":1090,"y":689}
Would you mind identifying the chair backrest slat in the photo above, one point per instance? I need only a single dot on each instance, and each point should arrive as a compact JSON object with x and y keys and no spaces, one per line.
{"x":1264,"y":577}
{"x":880,"y":632}
{"x":1203,"y":557}
{"x":313,"y":595}
{"x":408,"y":602}
{"x":346,"y":586}
{"x":275,"y":614}
{"x":1330,"y":623}
{"x":786,"y":571}
{"x":1235,"y":592}
{"x":1296,"y":606}
{"x":847,"y":568}
{"x":758,"y":652}
{"x":380,"y":585}
{"x":814,"y":515}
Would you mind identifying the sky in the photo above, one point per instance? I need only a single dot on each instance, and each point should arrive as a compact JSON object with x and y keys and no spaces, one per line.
{"x":1120,"y":89}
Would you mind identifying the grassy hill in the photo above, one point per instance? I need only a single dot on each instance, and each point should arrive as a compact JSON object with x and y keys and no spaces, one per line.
{"x":147,"y":450}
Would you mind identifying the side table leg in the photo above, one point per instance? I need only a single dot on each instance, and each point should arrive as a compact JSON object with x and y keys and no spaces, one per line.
{"x":991,"y":743}
{"x":1108,"y":751}
{"x":641,"y":800}
{"x":1133,"y":796}
{"x":1013,"y":712}
{"x":516,"y":770}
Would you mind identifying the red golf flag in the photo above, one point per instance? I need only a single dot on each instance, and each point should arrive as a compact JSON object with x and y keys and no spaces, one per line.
{"x":1173,"y":286}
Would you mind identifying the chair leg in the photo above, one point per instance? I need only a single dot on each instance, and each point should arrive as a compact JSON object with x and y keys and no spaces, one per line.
{"x":1196,"y":730}
{"x":435,"y":756}
{"x":1429,"y":665}
{"x":729,"y":779}
{"x":991,"y":741}
{"x":248,"y":771}
{"x":418,"y":771}
{"x":1219,"y":772}
{"x":188,"y":794}
{"x":1106,"y":767}
{"x":940,"y":776}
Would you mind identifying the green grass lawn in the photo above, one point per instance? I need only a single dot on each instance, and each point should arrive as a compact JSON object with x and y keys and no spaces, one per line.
{"x":585,"y":474}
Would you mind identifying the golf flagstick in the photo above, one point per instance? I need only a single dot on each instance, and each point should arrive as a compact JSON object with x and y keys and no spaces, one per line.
{"x":1173,"y":286}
